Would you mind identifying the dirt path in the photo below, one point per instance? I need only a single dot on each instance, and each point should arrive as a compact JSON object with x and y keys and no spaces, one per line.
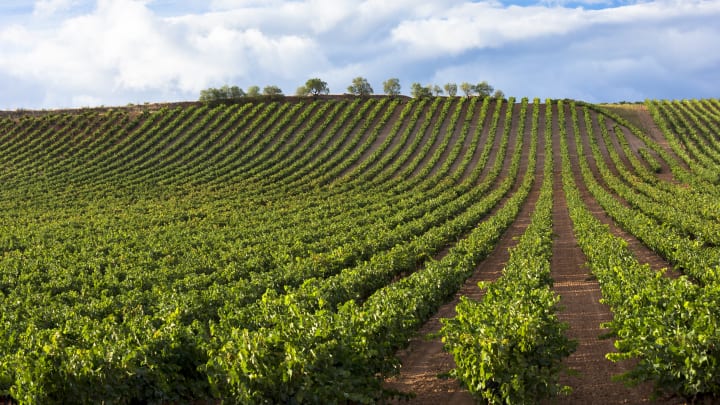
{"x":641,"y":252}
{"x":385,"y":131}
{"x":639,"y":116}
{"x":651,"y":128}
{"x":454,"y":133}
{"x":580,"y":298}
{"x":424,"y":360}
{"x":484,"y":137}
{"x":427,"y":120}
{"x":479,"y":124}
{"x":437,"y":142}
{"x":581,"y":307}
{"x":472,"y":125}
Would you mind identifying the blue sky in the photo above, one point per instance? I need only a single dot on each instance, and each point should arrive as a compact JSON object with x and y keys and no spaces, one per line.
{"x":74,"y":53}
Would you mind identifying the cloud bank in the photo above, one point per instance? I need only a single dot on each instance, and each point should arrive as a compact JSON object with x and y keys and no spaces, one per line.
{"x":69,"y":53}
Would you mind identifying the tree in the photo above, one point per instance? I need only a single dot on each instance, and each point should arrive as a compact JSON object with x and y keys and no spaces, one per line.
{"x":302,"y":91}
{"x":253,"y":91}
{"x":391,"y":87}
{"x":272,"y":91}
{"x":316,"y":86}
{"x":223,"y":93}
{"x":499,"y":94}
{"x":483,"y":89}
{"x":419,"y":91}
{"x":467,"y":88}
{"x":234,"y":92}
{"x":210,"y":94}
{"x":360,"y":87}
{"x":437,"y":90}
{"x":451,"y":89}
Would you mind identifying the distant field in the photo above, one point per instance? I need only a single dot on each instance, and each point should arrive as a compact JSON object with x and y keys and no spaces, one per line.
{"x":289,"y":251}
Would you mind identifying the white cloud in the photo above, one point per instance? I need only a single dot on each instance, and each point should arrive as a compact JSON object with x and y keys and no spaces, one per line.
{"x":122,"y":47}
{"x":610,"y":63}
{"x":570,"y":3}
{"x":119,"y":51}
{"x":321,"y":16}
{"x":482,"y":25}
{"x":119,"y":44}
{"x":49,"y":7}
{"x":490,"y":25}
{"x":85,"y":100}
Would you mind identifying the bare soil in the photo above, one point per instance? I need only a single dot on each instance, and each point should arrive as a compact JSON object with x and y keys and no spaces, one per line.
{"x":424,"y":363}
{"x":639,"y":116}
{"x":592,"y":381}
{"x":641,"y":252}
{"x":381,"y":139}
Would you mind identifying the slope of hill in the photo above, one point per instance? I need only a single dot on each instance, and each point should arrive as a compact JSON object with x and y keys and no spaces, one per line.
{"x":285,"y":250}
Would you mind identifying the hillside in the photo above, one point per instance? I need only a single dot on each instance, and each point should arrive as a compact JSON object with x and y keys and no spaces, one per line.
{"x":290,"y":250}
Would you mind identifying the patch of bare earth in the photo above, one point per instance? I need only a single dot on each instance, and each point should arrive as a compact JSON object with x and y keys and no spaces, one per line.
{"x":454,"y":134}
{"x":580,"y":298}
{"x":385,"y":131}
{"x":582,"y":310}
{"x":427,"y":120}
{"x":641,"y":252}
{"x":424,"y":362}
{"x":639,"y":116}
{"x":471,"y":128}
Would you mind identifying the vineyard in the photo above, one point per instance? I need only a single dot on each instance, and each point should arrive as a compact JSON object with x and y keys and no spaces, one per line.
{"x":329,"y":250}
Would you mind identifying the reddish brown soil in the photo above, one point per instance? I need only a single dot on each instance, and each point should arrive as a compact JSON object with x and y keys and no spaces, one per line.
{"x":639,"y":116}
{"x":477,"y":125}
{"x":382,"y":138}
{"x":454,"y":134}
{"x":468,"y":138}
{"x":582,"y":309}
{"x":424,"y":135}
{"x":424,"y":360}
{"x":642,"y":252}
{"x":438,"y":140}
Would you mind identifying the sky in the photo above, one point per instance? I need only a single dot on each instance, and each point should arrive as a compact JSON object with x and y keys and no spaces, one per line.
{"x":82,"y":53}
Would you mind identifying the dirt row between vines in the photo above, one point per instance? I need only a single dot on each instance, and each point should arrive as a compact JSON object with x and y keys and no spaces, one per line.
{"x":642,"y":252}
{"x":580,"y":297}
{"x":424,"y":361}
